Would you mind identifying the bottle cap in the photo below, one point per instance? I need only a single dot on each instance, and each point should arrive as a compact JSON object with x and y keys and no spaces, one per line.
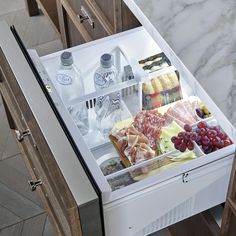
{"x":106,"y":60}
{"x":66,"y":58}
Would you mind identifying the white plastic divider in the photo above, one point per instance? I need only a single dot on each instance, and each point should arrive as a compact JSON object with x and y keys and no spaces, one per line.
{"x":141,"y":164}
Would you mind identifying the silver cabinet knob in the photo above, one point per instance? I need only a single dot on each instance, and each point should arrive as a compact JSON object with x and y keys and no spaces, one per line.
{"x":20,"y":135}
{"x":34,"y":184}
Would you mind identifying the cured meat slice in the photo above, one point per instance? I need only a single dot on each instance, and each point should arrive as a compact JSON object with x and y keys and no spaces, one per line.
{"x":134,"y":145}
{"x":172,"y":118}
{"x":182,"y":109}
{"x":150,"y":123}
{"x":179,"y":116}
{"x":182,"y":112}
{"x":191,"y":108}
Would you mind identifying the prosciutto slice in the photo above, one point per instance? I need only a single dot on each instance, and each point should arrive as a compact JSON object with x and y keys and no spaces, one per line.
{"x":182,"y":112}
{"x":134,"y":145}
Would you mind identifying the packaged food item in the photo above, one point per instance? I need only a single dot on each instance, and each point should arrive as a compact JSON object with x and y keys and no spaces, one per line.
{"x":161,"y":90}
{"x":154,"y":63}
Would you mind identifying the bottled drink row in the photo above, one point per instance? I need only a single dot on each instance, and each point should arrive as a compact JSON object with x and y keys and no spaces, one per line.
{"x":70,"y":85}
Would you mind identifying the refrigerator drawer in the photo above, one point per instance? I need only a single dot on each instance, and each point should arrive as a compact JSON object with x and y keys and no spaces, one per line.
{"x":170,"y":201}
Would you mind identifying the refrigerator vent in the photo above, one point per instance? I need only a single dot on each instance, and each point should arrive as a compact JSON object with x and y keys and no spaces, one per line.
{"x":179,"y":213}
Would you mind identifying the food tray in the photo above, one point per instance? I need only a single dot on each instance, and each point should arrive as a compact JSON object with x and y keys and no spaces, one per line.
{"x":161,"y":161}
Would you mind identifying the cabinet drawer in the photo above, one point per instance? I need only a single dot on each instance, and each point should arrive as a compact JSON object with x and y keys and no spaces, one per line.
{"x":73,"y":35}
{"x":92,"y":19}
{"x":108,"y":7}
{"x":85,"y":15}
{"x":54,"y":192}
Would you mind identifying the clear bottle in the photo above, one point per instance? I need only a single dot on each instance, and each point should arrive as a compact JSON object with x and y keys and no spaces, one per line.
{"x":107,"y":107}
{"x":69,"y":84}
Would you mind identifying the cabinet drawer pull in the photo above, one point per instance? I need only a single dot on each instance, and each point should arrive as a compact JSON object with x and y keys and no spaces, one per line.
{"x":84,"y":16}
{"x":34,"y":184}
{"x":2,"y":75}
{"x":20,"y":135}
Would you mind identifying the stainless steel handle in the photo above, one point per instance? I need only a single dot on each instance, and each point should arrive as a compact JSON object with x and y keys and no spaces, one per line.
{"x":84,"y":16}
{"x":20,"y":135}
{"x":34,"y":184}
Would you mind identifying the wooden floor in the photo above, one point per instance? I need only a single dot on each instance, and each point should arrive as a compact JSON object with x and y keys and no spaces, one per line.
{"x":21,"y":212}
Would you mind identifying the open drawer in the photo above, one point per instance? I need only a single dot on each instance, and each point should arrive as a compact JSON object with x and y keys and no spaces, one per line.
{"x":127,"y":51}
{"x":163,"y":195}
{"x":119,"y":189}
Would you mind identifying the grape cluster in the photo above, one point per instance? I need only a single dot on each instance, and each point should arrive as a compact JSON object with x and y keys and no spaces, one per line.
{"x":209,"y":138}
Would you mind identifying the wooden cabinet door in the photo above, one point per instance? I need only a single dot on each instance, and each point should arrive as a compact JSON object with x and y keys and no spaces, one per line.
{"x":86,"y":20}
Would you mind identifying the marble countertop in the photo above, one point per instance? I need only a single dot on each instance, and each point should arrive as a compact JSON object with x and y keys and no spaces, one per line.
{"x":203,"y":34}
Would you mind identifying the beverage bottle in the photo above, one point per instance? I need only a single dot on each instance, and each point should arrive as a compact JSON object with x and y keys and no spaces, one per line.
{"x":69,"y":84}
{"x":108,"y":106}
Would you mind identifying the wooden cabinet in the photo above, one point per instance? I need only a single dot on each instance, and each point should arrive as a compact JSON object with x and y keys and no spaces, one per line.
{"x":92,"y":19}
{"x":80,"y":21}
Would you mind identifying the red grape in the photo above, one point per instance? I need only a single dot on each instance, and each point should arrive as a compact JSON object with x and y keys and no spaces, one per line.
{"x":212,"y":134}
{"x":177,"y":146}
{"x":202,"y":131}
{"x":220,"y":144}
{"x":187,"y":136}
{"x":193,"y":136}
{"x":216,"y":128}
{"x":198,"y":130}
{"x":182,"y":147}
{"x":205,"y":140}
{"x":187,"y":128}
{"x":215,"y":141}
{"x":190,"y":145}
{"x":222,"y":136}
{"x":202,"y":124}
{"x":178,"y":140}
{"x":173,"y":139}
{"x":208,"y":150}
{"x":208,"y":138}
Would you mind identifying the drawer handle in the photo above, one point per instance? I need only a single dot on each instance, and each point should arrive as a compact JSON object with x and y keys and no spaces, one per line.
{"x":20,"y":135}
{"x":34,"y":184}
{"x":84,"y":16}
{"x":2,"y":75}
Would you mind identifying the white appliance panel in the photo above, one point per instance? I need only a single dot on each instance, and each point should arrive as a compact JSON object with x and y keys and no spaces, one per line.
{"x":166,"y":203}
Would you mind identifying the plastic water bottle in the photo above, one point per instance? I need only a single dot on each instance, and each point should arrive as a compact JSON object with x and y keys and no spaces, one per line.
{"x":107,"y":107}
{"x":70,"y":85}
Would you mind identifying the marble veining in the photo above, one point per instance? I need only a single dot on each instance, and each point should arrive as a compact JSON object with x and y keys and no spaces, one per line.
{"x":203,"y":34}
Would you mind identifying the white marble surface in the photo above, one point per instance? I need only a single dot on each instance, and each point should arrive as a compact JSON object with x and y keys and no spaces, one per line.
{"x":203,"y":34}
